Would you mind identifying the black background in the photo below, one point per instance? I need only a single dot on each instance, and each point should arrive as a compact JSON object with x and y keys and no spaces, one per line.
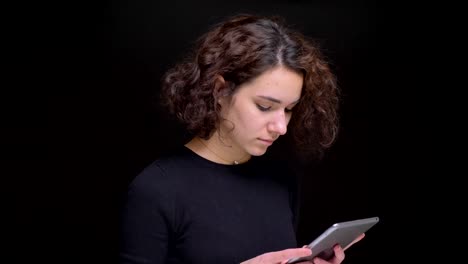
{"x":100,"y":125}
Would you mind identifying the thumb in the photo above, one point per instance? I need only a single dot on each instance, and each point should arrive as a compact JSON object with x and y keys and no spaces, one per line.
{"x":284,"y":255}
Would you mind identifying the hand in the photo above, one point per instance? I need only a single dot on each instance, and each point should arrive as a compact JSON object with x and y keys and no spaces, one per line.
{"x":339,"y":254}
{"x":279,"y":257}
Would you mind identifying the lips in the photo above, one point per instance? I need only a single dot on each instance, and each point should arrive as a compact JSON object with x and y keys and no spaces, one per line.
{"x":266,"y":141}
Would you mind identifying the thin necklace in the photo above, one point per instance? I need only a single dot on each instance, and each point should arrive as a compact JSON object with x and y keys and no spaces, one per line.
{"x":235,"y":162}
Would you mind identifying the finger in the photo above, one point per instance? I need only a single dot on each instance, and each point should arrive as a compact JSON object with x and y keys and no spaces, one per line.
{"x":319,"y":261}
{"x":290,"y":253}
{"x":355,"y":240}
{"x":339,"y":254}
{"x":337,"y":258}
{"x":284,"y":255}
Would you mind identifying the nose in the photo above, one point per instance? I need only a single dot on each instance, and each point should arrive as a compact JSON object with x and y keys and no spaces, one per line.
{"x":279,"y":125}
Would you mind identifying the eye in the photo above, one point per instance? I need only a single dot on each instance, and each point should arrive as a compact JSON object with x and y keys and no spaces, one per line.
{"x":288,"y":110}
{"x":263,"y":108}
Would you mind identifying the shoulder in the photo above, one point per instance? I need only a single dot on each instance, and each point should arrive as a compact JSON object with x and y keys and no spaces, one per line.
{"x":164,"y":173}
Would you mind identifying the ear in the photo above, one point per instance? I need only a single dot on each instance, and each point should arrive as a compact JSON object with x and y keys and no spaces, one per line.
{"x":220,"y":91}
{"x":220,"y":84}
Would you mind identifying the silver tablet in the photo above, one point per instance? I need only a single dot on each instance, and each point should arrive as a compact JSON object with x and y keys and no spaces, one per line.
{"x":340,"y":233}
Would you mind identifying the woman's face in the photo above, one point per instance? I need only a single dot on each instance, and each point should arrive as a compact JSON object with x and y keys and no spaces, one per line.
{"x":260,"y":110}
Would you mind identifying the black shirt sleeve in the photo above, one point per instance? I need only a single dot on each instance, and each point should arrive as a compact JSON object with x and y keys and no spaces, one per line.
{"x":145,"y":220}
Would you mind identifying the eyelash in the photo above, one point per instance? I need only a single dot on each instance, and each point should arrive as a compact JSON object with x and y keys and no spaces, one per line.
{"x":265,"y":109}
{"x":262,"y":108}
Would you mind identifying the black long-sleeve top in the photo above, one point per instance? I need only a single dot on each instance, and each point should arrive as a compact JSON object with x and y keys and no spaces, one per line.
{"x":186,"y":209}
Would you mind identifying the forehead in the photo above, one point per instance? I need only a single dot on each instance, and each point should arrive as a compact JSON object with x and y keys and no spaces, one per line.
{"x":279,"y":82}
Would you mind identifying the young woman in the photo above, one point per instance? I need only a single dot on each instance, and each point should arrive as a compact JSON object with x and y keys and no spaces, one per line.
{"x":249,"y":81}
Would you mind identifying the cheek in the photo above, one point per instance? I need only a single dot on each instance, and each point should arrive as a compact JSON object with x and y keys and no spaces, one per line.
{"x":250,"y":120}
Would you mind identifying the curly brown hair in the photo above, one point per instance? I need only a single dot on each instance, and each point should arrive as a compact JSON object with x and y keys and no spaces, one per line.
{"x":240,"y":49}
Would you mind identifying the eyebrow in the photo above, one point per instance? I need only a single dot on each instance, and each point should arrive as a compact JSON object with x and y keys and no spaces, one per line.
{"x":274,"y":100}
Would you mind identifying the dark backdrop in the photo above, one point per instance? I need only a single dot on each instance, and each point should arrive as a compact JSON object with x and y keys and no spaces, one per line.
{"x":102,"y":126}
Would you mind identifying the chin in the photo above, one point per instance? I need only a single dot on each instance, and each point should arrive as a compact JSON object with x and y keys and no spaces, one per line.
{"x":257,"y":152}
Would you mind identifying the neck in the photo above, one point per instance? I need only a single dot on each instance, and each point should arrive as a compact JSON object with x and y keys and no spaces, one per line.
{"x":218,"y":150}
